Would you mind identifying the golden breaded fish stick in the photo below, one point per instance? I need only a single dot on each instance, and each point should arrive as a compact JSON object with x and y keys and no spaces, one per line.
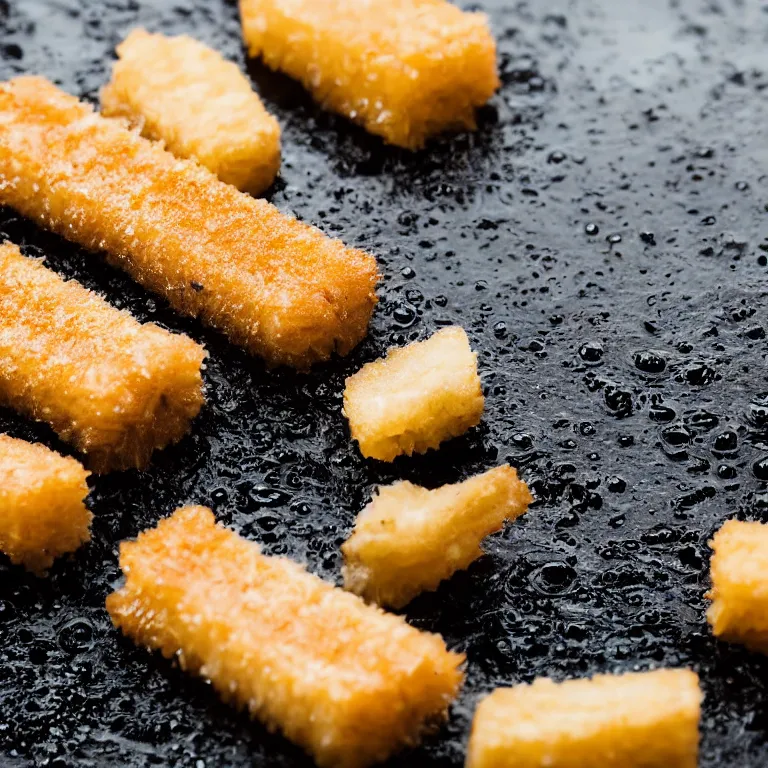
{"x":113,"y":388}
{"x":280,"y":288}
{"x":408,"y":539}
{"x":739,"y":594}
{"x":416,"y":397}
{"x":636,"y":720}
{"x":347,"y":682}
{"x":42,"y":510}
{"x":404,"y":69}
{"x":187,"y":95}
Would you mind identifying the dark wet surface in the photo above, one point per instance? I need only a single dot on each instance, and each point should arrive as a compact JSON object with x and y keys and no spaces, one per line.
{"x":603,"y":238}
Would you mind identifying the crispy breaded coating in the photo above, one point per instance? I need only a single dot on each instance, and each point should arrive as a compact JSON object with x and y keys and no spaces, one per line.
{"x":187,"y":95}
{"x":347,"y":682}
{"x":408,"y":539}
{"x":416,"y":397}
{"x":404,"y":69}
{"x":276,"y":286}
{"x":113,"y":388}
{"x":42,"y":509}
{"x":636,"y":720}
{"x":739,"y":594}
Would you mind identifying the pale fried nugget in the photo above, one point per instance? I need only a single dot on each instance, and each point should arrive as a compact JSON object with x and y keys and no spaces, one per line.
{"x":184,"y":93}
{"x":344,"y":680}
{"x":404,"y":69}
{"x":113,"y":388}
{"x":416,"y":397}
{"x":408,"y":539}
{"x":42,"y":510}
{"x":739,"y":573}
{"x":636,"y":720}
{"x":280,"y":288}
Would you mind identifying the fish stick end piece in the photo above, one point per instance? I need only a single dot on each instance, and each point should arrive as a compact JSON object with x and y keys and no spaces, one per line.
{"x":181,"y":92}
{"x":416,"y":397}
{"x":410,"y":539}
{"x":42,"y":496}
{"x":634,"y":720}
{"x":739,"y":593}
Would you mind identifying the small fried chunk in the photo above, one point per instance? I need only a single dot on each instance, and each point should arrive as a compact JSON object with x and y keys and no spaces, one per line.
{"x":115,"y":389}
{"x":347,"y":682}
{"x":416,"y":397}
{"x":404,"y":69}
{"x":408,"y":539}
{"x":278,"y":287}
{"x":200,"y":105}
{"x":636,"y":720}
{"x":42,"y":509}
{"x":739,"y":594}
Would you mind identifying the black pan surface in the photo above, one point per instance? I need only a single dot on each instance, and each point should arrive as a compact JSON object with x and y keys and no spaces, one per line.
{"x":603,"y":238}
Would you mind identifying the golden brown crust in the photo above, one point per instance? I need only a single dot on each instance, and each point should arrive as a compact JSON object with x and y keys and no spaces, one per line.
{"x":276,"y":286}
{"x":115,"y":389}
{"x":416,"y":397}
{"x":636,"y":720}
{"x":404,"y":69}
{"x":42,"y":514}
{"x":408,"y":539}
{"x":344,"y":680}
{"x":185,"y":94}
{"x":739,"y":594}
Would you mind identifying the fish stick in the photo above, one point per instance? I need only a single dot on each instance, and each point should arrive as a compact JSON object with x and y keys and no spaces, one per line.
{"x":347,"y":682}
{"x":200,"y":105}
{"x":42,"y":509}
{"x":113,"y":388}
{"x":403,"y":69}
{"x":635,"y":720}
{"x":416,"y":397}
{"x":408,"y":539}
{"x":276,"y":286}
{"x":739,"y":594}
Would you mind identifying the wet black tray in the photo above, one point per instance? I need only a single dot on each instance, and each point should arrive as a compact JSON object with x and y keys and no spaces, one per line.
{"x":603,"y":238}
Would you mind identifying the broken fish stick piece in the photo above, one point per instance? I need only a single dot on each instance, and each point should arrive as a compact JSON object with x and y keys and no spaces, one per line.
{"x":416,"y":397}
{"x":113,"y":388}
{"x":404,"y":69}
{"x":278,"y":287}
{"x":187,"y":95}
{"x":739,"y":594}
{"x":344,"y":680}
{"x":409,"y":539}
{"x":42,"y":509}
{"x":635,"y":720}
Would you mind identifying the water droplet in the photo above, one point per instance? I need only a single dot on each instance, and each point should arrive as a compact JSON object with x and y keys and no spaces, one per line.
{"x":649,"y":362}
{"x":556,"y":578}
{"x":76,"y":636}
{"x":760,"y":468}
{"x":591,"y":352}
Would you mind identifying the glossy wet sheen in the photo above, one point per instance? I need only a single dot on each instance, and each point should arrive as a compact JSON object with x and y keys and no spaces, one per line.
{"x":604,"y":241}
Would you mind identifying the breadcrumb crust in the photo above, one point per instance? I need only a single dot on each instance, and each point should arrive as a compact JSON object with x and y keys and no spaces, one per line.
{"x":739,"y":594}
{"x":42,"y":509}
{"x":180,"y":91}
{"x":409,"y":539}
{"x":635,"y":720}
{"x":416,"y":397}
{"x":113,"y":388}
{"x":346,"y":681}
{"x":278,"y":287}
{"x":403,"y":69}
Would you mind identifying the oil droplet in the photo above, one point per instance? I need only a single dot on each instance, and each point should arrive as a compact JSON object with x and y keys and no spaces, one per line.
{"x":592,"y":229}
{"x":591,"y":352}
{"x":649,"y":362}
{"x":76,"y":636}
{"x":760,"y":468}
